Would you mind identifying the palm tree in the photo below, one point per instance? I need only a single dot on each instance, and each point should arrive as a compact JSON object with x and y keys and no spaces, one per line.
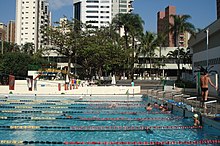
{"x":177,"y":54}
{"x":180,"y":25}
{"x":66,"y":39}
{"x":161,"y":41}
{"x":28,"y":48}
{"x":148,"y":46}
{"x":133,"y":27}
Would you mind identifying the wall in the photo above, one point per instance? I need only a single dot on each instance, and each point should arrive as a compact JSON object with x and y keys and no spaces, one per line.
{"x":51,"y":87}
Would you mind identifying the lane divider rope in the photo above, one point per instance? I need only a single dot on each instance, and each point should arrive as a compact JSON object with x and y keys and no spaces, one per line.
{"x":89,"y":119}
{"x":85,"y":112}
{"x":195,"y":142}
{"x":81,"y":101}
{"x":98,"y":128}
{"x":88,"y":104}
{"x":62,"y":107}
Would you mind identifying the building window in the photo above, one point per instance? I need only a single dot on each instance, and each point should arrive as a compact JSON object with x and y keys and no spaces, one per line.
{"x":92,"y":6}
{"x":104,"y":22}
{"x":92,"y":16}
{"x":105,"y":1}
{"x":123,"y":6}
{"x":104,"y":17}
{"x":123,"y":10}
{"x":92,"y":11}
{"x":123,"y":1}
{"x":104,"y":11}
{"x":92,"y":21}
{"x":104,"y":6}
{"x":92,"y":1}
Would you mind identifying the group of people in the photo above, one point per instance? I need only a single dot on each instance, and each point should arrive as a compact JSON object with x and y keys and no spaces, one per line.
{"x":161,"y":107}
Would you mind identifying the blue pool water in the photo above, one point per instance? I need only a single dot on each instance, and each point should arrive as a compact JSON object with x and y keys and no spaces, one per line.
{"x":15,"y":108}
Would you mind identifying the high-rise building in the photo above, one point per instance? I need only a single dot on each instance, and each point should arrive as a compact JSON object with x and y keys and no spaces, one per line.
{"x":3,"y":32}
{"x":163,"y":22}
{"x":99,"y":13}
{"x":32,"y":16}
{"x":11,"y":31}
{"x":218,"y":8}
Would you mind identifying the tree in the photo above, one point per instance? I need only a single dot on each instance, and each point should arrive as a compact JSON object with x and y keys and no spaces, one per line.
{"x":161,"y":41}
{"x":187,"y":58}
{"x":10,"y":47}
{"x":177,"y":54}
{"x":28,"y":48}
{"x":102,"y":52}
{"x":16,"y":63}
{"x":148,"y":46}
{"x":66,"y":39}
{"x":180,"y":25}
{"x":133,"y":27}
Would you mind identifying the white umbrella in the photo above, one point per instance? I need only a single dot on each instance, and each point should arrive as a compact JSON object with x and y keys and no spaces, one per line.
{"x":113,"y":80}
{"x":67,"y":78}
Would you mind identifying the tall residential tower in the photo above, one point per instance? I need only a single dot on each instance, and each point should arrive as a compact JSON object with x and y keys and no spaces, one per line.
{"x":99,"y":13}
{"x":164,"y":20}
{"x":32,"y":16}
{"x":11,"y":31}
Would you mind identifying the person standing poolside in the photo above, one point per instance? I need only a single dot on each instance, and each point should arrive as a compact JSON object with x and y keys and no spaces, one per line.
{"x":204,"y":81}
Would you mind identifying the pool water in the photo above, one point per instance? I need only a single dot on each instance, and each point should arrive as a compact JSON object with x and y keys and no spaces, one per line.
{"x":95,"y":121}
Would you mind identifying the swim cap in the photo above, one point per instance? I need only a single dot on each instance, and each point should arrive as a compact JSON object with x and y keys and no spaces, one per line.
{"x":195,"y":115}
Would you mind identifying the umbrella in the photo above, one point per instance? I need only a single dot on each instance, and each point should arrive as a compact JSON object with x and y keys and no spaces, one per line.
{"x":113,"y":80}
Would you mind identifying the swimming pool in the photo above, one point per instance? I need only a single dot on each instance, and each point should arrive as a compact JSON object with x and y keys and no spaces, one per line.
{"x":91,"y":120}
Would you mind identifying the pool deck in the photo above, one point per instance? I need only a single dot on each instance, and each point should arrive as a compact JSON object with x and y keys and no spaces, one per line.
{"x":213,"y":105}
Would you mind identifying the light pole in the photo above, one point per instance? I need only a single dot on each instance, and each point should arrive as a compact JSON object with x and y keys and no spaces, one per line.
{"x":207,"y":45}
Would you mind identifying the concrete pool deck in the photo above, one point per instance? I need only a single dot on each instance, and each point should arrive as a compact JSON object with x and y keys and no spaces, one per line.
{"x":52,"y":87}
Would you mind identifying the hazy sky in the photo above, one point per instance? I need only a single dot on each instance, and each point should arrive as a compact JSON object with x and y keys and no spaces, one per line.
{"x":203,"y":12}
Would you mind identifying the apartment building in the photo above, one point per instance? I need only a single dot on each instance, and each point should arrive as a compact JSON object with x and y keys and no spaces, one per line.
{"x":164,"y":20}
{"x":99,"y":13}
{"x":32,"y":16}
{"x":3,"y":32}
{"x":11,"y":31}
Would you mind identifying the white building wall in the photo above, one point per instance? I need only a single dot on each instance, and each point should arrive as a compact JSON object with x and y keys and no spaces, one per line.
{"x":30,"y":16}
{"x":105,"y":10}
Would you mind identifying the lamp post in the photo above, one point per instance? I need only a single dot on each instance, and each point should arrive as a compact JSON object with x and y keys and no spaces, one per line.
{"x":207,"y":45}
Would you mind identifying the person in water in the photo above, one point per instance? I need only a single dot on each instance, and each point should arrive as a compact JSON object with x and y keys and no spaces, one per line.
{"x":149,"y":107}
{"x":67,"y":116}
{"x":196,"y":120}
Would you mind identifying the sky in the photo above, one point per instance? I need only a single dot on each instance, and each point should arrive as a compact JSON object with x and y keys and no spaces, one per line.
{"x":203,"y":12}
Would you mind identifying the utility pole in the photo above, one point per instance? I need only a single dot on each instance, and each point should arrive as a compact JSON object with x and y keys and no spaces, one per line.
{"x":207,"y":45}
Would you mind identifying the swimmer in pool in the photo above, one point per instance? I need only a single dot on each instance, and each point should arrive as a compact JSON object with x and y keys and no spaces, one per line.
{"x":196,"y":120}
{"x":149,"y":107}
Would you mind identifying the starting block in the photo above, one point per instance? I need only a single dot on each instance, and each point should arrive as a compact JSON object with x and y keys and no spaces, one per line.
{"x":189,"y":98}
{"x":211,"y":101}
